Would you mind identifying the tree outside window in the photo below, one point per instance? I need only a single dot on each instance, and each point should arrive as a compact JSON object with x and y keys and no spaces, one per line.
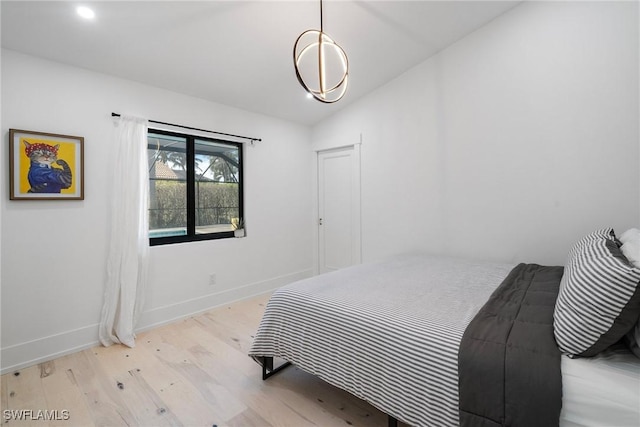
{"x":195,"y":187}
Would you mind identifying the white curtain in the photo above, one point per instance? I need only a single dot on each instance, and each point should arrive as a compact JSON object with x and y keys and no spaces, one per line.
{"x":129,"y":246}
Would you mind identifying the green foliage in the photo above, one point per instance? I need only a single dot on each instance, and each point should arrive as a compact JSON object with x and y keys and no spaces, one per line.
{"x":216,"y":203}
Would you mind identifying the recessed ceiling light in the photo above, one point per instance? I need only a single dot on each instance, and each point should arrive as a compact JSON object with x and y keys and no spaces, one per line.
{"x":85,"y":12}
{"x":309,"y":96}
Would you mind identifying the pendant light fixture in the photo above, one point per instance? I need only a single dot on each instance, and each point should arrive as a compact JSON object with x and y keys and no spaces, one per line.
{"x":322,"y":67}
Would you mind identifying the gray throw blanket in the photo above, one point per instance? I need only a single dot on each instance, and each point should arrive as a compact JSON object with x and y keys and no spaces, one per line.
{"x":508,"y":361}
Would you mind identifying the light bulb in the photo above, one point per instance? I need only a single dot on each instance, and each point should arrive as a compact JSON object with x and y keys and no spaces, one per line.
{"x":85,"y":12}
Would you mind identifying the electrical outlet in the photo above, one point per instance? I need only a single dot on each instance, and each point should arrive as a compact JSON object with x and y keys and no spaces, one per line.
{"x":212,"y":279}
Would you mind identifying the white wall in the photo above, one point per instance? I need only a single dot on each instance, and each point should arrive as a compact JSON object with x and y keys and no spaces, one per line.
{"x":53,"y":259}
{"x":507,"y":146}
{"x":510,"y":144}
{"x":2,"y":160}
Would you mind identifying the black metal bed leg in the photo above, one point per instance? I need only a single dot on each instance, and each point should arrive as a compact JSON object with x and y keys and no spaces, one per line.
{"x":392,"y":422}
{"x":267,"y":367}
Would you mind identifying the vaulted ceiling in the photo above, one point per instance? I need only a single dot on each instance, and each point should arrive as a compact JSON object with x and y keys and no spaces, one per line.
{"x":239,"y":53}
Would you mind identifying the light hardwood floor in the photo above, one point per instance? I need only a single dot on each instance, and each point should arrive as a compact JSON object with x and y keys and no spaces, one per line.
{"x":195,"y":372}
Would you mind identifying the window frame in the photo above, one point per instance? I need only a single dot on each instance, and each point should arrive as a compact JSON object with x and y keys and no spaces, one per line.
{"x":191,"y":235}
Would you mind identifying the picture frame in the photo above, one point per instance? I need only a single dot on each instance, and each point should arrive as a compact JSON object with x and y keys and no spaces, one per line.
{"x":45,"y":166}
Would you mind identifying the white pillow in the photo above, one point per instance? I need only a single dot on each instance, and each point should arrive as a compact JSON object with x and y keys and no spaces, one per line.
{"x":631,"y":246}
{"x":630,"y":240}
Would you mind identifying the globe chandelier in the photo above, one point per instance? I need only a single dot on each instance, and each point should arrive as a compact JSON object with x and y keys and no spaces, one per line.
{"x":321,"y":65}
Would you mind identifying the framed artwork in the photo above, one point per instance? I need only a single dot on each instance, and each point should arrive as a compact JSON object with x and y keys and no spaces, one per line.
{"x":45,"y":166}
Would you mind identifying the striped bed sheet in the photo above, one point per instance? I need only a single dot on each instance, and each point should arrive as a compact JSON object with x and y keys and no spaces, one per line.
{"x":387,"y":332}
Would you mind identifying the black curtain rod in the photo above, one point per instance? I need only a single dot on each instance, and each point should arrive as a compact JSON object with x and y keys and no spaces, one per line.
{"x":201,"y":130}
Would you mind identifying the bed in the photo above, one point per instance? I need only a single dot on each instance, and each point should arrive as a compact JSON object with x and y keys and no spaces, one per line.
{"x":601,"y":391}
{"x":406,"y":335}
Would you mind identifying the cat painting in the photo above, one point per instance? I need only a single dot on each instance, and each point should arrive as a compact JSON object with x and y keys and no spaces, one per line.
{"x":43,"y":176}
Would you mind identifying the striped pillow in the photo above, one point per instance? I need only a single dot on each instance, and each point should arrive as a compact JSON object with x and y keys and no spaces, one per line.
{"x":599,"y":298}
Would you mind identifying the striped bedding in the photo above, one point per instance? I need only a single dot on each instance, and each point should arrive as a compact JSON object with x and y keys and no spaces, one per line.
{"x":387,"y":332}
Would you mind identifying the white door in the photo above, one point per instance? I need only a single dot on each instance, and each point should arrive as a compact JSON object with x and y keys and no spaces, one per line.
{"x":338,"y":208}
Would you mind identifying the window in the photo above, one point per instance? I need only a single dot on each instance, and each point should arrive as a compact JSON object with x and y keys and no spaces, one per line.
{"x":195,"y":187}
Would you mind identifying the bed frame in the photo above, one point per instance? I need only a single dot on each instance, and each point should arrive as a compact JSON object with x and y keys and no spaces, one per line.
{"x":268,"y":371}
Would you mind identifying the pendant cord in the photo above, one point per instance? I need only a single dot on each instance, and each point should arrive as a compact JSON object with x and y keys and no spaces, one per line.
{"x":321,"y":28}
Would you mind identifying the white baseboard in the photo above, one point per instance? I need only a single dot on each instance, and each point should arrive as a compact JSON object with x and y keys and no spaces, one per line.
{"x":41,"y":350}
{"x":171,"y":313}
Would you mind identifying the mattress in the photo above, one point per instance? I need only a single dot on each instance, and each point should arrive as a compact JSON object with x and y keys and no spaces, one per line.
{"x":363,"y":329}
{"x":601,"y":391}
